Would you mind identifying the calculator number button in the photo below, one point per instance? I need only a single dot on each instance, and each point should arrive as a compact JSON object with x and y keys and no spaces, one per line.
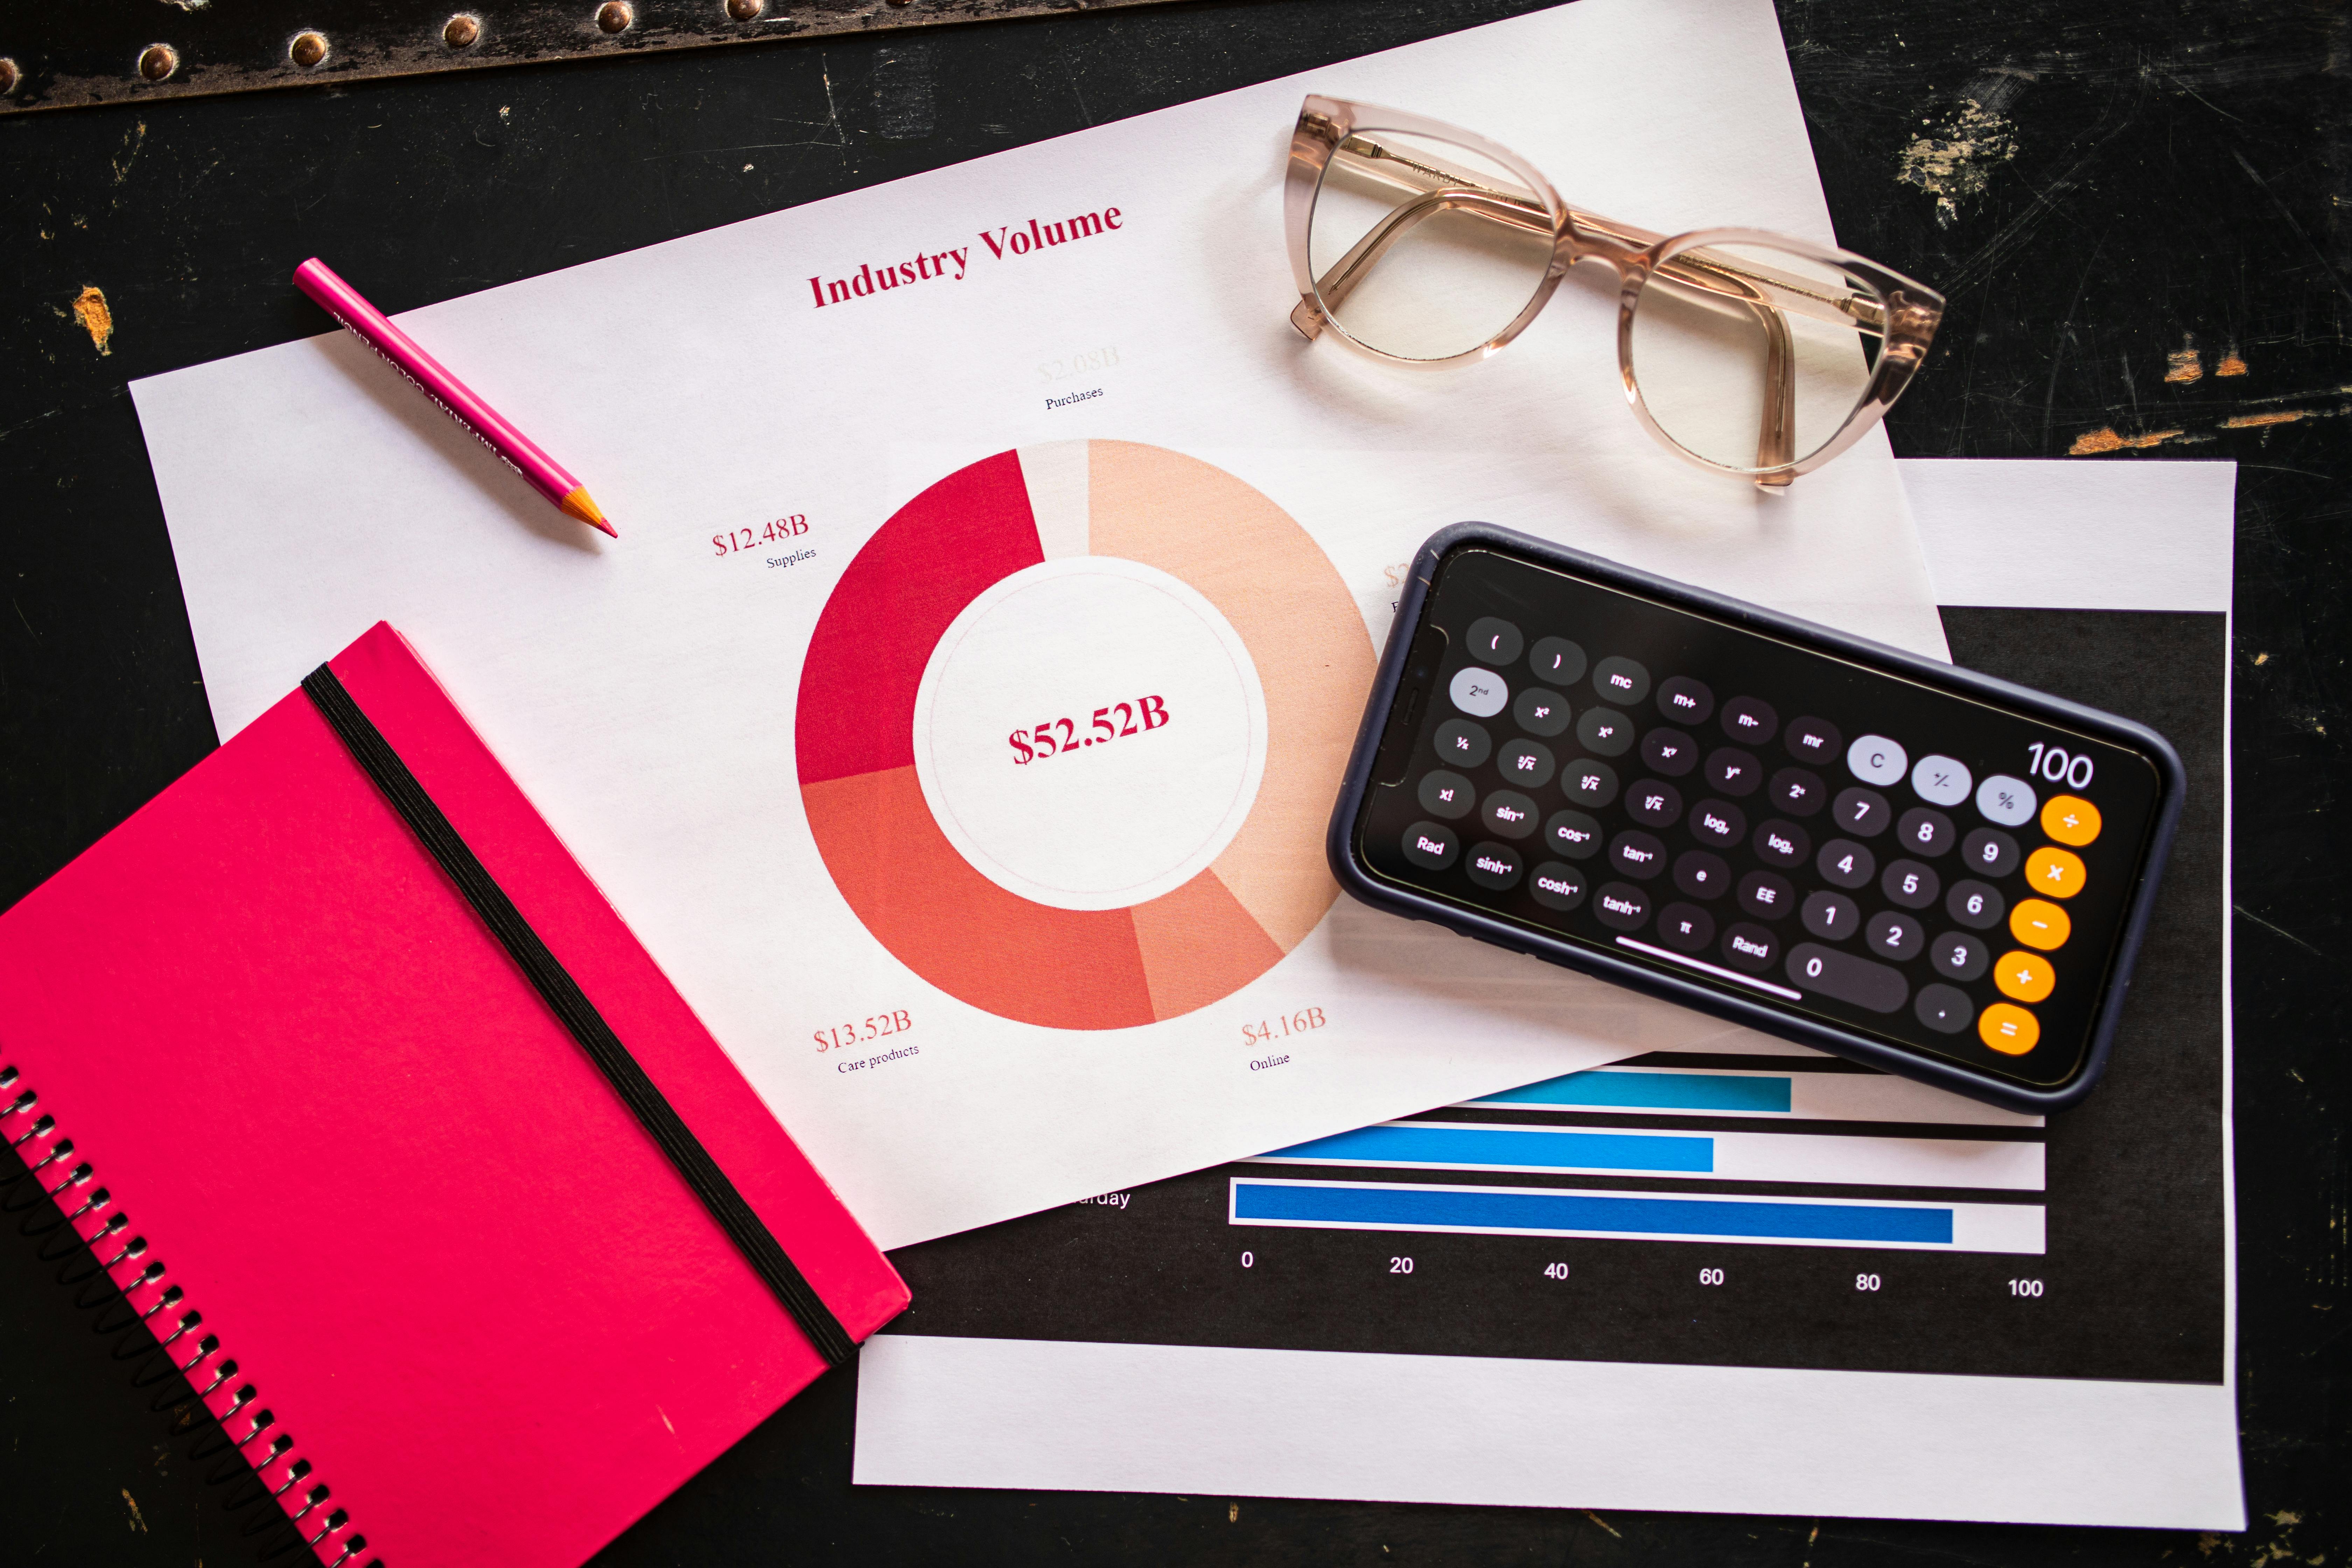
{"x":1988,"y":853}
{"x":1463,"y":743}
{"x":1814,"y":740}
{"x":1620,"y":906}
{"x":1862,"y":812}
{"x":2005,"y":800}
{"x":1765,"y":896}
{"x":1684,"y":701}
{"x":1941,"y":781}
{"x":1605,"y":732}
{"x":1751,"y":721}
{"x":1895,"y":936}
{"x":2056,"y":872}
{"x":1495,"y":639}
{"x":1508,"y":812}
{"x":2070,"y":819}
{"x":1717,"y":821}
{"x":1573,"y":834}
{"x":1799,"y":791}
{"x":1783,"y":843}
{"x":1842,"y":863}
{"x":2037,"y":923}
{"x":1525,"y":763}
{"x":1910,"y":884}
{"x":1734,"y":771}
{"x":1922,"y":832}
{"x":1959,"y":957}
{"x":1702,"y":874}
{"x":1944,"y":1008}
{"x":1478,"y":692}
{"x":2025,"y":976}
{"x":1975,"y":905}
{"x":1620,"y":680}
{"x":1431,"y":846}
{"x":1653,"y":805}
{"x":1588,"y":784}
{"x":1686,"y":927}
{"x":1875,"y":759}
{"x":1637,"y":855}
{"x":1494,"y":866}
{"x":1670,"y":752}
{"x":1446,"y":795}
{"x":1751,"y":949}
{"x":1540,"y":712}
{"x":1864,"y":982}
{"x":2009,"y":1029}
{"x":1832,"y":917}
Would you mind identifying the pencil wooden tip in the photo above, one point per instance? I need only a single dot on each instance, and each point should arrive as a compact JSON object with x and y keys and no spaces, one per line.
{"x":577,"y":504}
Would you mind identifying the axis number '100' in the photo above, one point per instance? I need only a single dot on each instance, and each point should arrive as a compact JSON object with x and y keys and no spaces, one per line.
{"x":1040,"y":741}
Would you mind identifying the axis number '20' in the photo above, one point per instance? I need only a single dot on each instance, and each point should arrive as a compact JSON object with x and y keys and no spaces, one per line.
{"x":1400,"y":1265}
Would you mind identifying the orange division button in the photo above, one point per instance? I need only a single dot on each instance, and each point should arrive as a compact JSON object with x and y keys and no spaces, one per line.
{"x":2011,"y":1030}
{"x":2038,"y":922}
{"x":2057,"y":872}
{"x":2027,"y":977}
{"x":2070,"y":819}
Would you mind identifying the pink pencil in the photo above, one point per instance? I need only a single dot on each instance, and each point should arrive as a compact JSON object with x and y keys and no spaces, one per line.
{"x":372,"y":327}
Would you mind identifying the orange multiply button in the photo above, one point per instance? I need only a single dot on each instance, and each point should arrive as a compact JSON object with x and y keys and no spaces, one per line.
{"x":2026,"y":976}
{"x":2055,"y":873}
{"x":2038,"y":922}
{"x":2070,"y":819}
{"x":2009,"y":1029}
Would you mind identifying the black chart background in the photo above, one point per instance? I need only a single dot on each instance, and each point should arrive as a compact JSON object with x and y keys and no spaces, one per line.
{"x":2133,"y":1275}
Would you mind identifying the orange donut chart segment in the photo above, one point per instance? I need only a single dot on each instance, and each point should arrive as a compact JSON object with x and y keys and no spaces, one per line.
{"x":1199,"y":946}
{"x":1271,"y":581}
{"x":1061,"y":968}
{"x":866,"y":660}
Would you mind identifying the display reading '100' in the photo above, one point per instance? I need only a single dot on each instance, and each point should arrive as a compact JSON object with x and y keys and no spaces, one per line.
{"x":1058,"y":737}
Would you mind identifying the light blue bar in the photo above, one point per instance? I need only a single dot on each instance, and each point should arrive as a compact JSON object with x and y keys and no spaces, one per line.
{"x":1416,"y":1144}
{"x":1428,"y":1207}
{"x":1652,"y":1092}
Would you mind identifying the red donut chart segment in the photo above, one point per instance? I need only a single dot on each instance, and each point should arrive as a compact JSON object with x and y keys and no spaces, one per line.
{"x":1065,"y":969}
{"x":914,"y":577}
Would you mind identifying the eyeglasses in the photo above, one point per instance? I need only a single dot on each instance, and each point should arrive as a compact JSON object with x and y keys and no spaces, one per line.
{"x":1756,"y":354}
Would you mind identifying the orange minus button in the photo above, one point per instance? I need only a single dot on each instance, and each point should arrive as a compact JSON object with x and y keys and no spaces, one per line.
{"x":2057,"y":873}
{"x":2038,"y":922}
{"x":2011,"y":1030}
{"x":2025,"y":976}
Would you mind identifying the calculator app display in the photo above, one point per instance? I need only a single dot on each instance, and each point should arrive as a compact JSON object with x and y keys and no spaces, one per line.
{"x":1749,"y":814}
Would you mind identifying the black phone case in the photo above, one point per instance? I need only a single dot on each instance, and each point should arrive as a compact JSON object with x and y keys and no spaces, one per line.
{"x":1360,"y":882}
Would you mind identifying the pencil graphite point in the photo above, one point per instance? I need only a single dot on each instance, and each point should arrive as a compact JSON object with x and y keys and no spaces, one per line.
{"x":577,"y":504}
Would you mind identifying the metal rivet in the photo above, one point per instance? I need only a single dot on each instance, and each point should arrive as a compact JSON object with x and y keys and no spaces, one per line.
{"x":614,"y":15}
{"x":9,"y":76}
{"x":746,"y":10}
{"x":158,"y":61}
{"x":460,"y":31}
{"x":307,"y":50}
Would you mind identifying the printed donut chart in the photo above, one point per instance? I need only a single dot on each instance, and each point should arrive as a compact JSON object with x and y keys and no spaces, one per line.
{"x":1160,"y":957}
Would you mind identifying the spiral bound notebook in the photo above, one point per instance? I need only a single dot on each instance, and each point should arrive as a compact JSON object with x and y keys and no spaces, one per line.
{"x":472,"y":1239}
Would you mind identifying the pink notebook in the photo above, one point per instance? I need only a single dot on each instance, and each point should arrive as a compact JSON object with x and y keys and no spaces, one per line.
{"x":431,"y":1264}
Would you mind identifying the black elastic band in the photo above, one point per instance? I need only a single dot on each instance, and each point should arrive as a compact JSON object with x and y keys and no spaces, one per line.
{"x":693,"y":1162}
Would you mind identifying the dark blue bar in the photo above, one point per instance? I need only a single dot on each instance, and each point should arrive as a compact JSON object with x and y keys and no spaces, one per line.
{"x":1417,"y":1145}
{"x":1425,"y":1206}
{"x":1652,"y":1092}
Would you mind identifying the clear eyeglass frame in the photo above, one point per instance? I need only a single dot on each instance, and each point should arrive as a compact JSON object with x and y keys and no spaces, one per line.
{"x":1877,"y":302}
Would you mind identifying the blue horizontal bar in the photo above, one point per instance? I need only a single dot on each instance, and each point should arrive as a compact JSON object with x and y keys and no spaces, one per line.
{"x":1420,"y":1207}
{"x":1422,"y":1145}
{"x":1651,"y":1091}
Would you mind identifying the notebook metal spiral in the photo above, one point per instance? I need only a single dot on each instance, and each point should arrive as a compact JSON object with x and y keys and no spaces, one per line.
{"x":90,"y":1238}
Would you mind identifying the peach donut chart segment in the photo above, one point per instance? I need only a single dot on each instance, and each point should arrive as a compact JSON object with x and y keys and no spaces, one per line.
{"x":856,"y":743}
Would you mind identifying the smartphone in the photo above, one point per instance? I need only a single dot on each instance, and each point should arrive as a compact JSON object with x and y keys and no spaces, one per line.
{"x":1927,"y":871}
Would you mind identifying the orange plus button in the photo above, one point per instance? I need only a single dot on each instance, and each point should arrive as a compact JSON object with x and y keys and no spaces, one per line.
{"x":2038,"y":922}
{"x":2027,"y":977}
{"x":2057,"y":872}
{"x":2011,"y":1031}
{"x":2070,"y":819}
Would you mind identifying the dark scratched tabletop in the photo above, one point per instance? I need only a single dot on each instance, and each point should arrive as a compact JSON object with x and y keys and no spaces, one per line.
{"x":2140,"y":209}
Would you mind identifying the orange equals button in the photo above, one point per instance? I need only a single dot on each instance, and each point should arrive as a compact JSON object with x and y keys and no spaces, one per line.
{"x":2012,"y":1031}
